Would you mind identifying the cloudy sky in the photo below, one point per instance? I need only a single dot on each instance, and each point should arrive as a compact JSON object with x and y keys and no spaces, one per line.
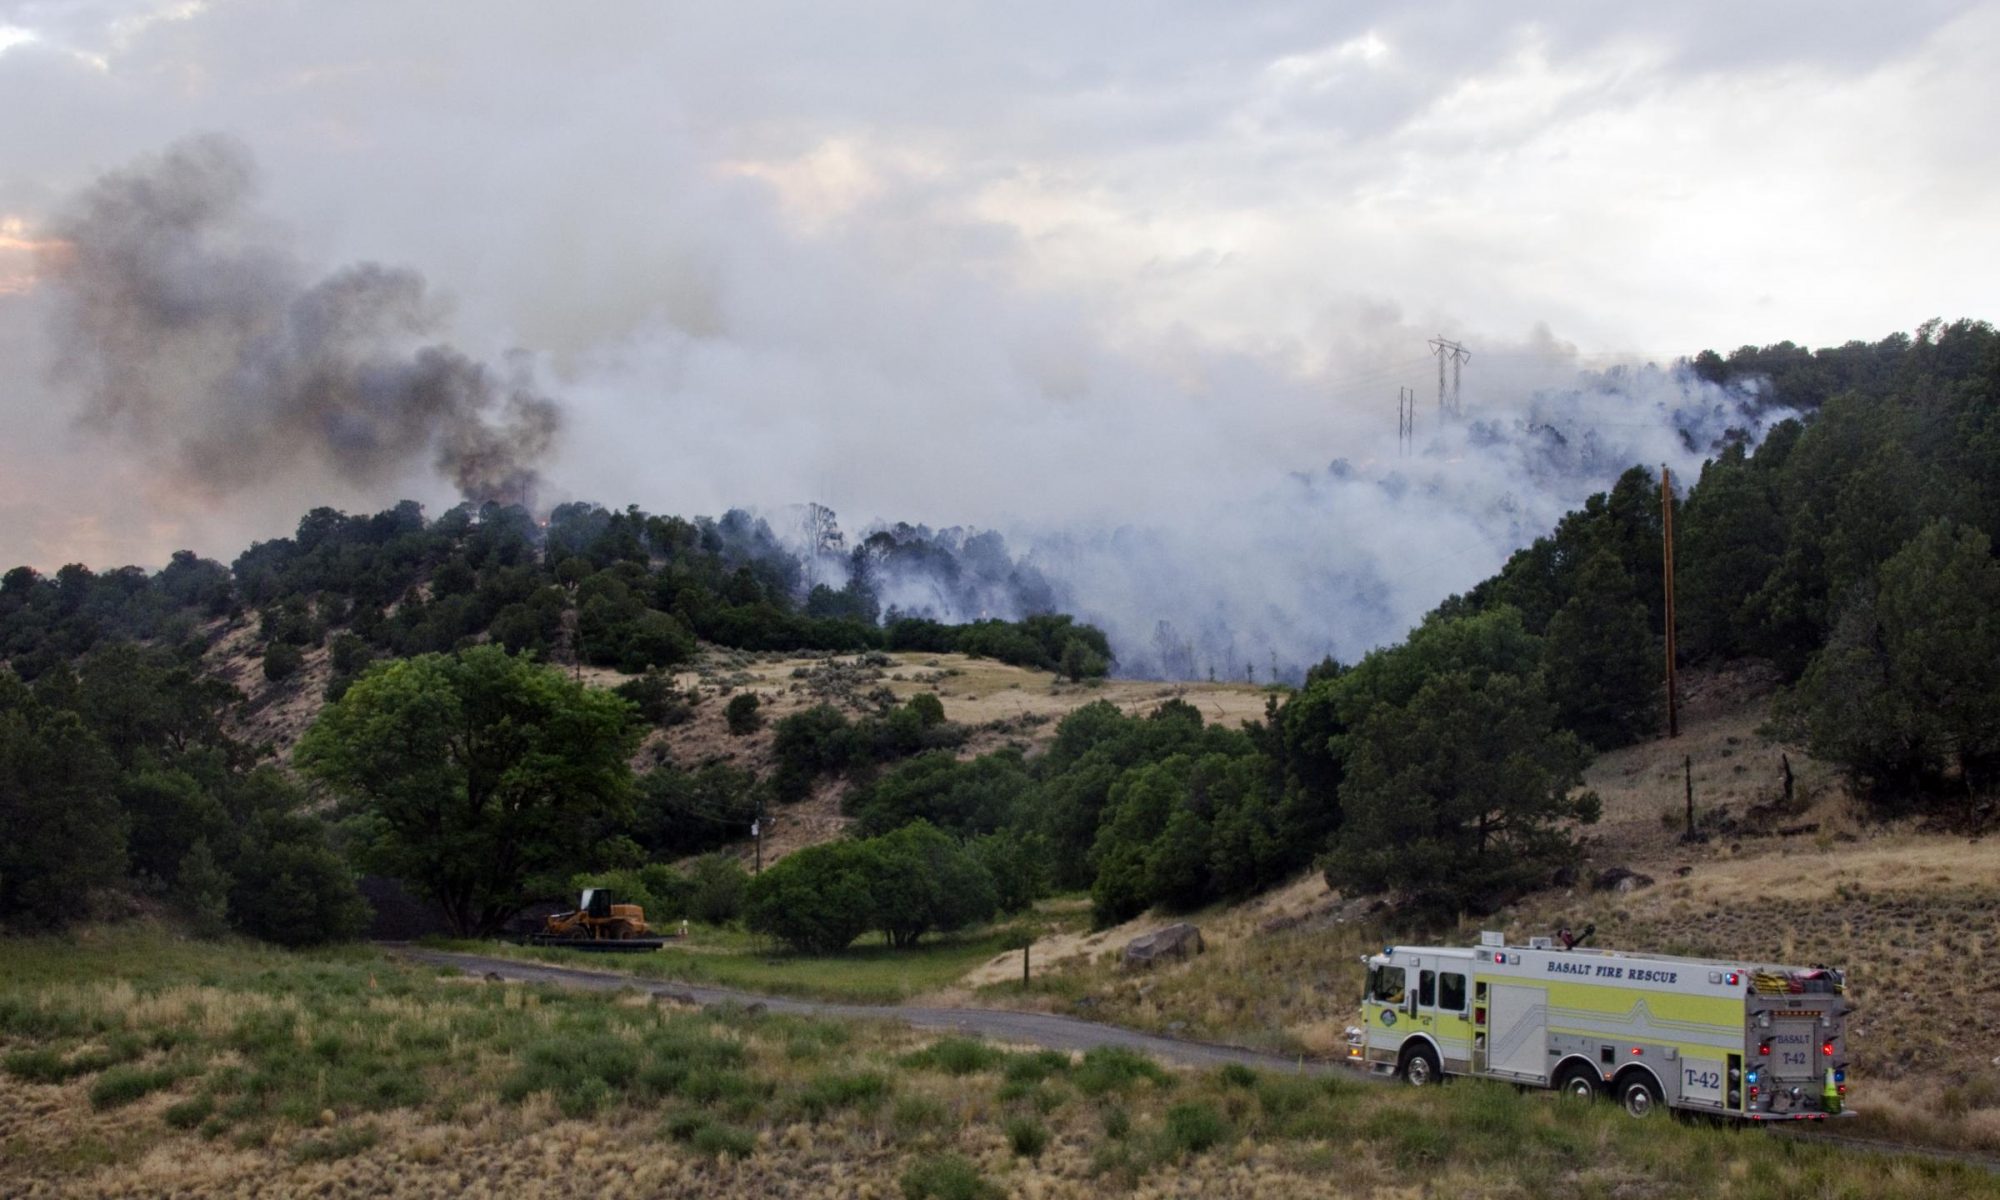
{"x":1015,"y":265}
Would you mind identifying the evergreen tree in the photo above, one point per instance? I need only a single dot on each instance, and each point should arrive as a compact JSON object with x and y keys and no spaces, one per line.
{"x":1603,"y":670}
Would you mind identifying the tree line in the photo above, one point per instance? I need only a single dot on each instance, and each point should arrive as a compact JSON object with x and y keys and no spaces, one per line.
{"x":1852,"y":549}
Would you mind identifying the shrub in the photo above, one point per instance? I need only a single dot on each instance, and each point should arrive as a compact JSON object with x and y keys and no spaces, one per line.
{"x":956,"y":1056}
{"x":1027,"y":1136}
{"x":717,"y":886}
{"x":342,"y":1143}
{"x":1114,"y":1068}
{"x":915,"y":1113}
{"x":190,"y":1113}
{"x":946,"y":1177}
{"x":1036,"y":1066}
{"x":827,"y":1092}
{"x":282,"y":660}
{"x":582,"y":1072}
{"x":122,"y":1085}
{"x":659,"y":702}
{"x":1237,"y":1075}
{"x":1193,"y":1128}
{"x":742,"y":715}
{"x":720,"y":1140}
{"x":710,"y":1137}
{"x":928,"y":708}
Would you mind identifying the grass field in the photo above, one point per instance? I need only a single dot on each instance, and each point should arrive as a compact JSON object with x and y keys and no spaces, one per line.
{"x":868,"y":972}
{"x":135,"y":1063}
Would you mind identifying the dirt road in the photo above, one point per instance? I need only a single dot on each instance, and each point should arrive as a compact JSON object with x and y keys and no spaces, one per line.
{"x":1025,"y":1028}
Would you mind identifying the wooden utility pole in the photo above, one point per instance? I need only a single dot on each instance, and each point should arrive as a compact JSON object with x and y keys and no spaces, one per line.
{"x":1667,"y":549}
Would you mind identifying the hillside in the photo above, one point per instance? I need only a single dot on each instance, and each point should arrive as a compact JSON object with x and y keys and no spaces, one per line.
{"x":1908,"y":911}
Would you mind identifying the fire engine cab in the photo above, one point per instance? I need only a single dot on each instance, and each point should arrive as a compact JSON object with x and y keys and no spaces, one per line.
{"x":1728,"y":1038}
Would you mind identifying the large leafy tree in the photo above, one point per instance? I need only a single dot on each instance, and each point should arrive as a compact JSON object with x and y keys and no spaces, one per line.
{"x":475,"y":772}
{"x":926,"y":881}
{"x":818,"y":900}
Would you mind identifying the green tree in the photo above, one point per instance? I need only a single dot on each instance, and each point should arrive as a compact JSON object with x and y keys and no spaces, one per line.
{"x":61,"y":834}
{"x":924,"y":881}
{"x":1728,"y":540}
{"x":1460,"y":796}
{"x":1906,"y":692}
{"x":477,"y":771}
{"x":201,"y":891}
{"x":817,"y":900}
{"x":1601,"y":666}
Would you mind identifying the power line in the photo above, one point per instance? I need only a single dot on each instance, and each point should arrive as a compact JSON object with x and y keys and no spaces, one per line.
{"x":1457,"y":355}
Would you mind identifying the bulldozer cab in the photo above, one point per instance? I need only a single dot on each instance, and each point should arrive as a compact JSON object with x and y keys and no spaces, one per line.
{"x":596,"y":902}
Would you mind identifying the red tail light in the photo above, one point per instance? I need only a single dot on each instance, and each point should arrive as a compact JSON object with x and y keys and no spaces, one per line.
{"x":1826,"y":1048}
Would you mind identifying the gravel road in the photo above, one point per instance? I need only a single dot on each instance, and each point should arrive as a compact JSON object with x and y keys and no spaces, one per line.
{"x":1025,"y":1028}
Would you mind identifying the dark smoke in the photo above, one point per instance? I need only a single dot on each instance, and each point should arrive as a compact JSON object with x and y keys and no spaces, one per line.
{"x":188,"y":329}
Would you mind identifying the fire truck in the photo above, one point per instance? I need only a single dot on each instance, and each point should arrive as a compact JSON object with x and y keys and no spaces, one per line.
{"x":1730,"y":1038}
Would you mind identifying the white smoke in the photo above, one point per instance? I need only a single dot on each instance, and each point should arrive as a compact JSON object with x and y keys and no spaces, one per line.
{"x":1329,"y":561}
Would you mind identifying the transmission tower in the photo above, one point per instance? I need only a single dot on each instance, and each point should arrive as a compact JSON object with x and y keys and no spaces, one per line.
{"x":1406,"y":420}
{"x":1457,"y":355}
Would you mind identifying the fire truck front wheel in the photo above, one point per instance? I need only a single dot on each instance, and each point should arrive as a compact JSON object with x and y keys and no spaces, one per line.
{"x":1420,"y":1067}
{"x":1639,"y":1095}
{"x":1579,"y":1083}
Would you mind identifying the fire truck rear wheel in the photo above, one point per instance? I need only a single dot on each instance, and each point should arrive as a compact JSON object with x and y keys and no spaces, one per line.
{"x":1639,"y":1095}
{"x":1420,"y":1068}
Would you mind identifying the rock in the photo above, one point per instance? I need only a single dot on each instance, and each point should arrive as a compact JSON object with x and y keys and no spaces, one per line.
{"x":495,"y":977}
{"x":1564,"y":877}
{"x":758,"y":1008}
{"x":1683,"y":872}
{"x":1176,"y":1028}
{"x":1282,"y":923}
{"x":1620,"y":879}
{"x":1179,"y":941}
{"x":676,"y":996}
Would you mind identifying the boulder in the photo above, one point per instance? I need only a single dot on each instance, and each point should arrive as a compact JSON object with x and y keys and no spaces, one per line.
{"x":1621,"y":880}
{"x":1181,"y":941}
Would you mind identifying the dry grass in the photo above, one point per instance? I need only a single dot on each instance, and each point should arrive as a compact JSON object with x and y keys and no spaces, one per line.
{"x":523,"y":1094}
{"x":1914,"y":918}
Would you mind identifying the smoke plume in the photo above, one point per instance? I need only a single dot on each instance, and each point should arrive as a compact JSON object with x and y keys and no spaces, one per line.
{"x":192,"y":333}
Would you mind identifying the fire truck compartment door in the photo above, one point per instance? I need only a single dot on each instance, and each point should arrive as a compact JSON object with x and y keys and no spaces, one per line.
{"x":1518,"y":1037}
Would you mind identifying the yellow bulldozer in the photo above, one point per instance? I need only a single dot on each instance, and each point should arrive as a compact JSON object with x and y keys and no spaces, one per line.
{"x":598,"y":922}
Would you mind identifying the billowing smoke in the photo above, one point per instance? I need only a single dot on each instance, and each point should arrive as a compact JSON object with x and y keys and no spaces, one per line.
{"x":192,"y":333}
{"x":1332,"y":561}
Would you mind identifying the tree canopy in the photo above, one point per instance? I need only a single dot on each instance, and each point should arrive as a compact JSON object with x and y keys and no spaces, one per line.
{"x":474,"y":772}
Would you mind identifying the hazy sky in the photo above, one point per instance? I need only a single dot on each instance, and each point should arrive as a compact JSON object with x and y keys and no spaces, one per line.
{"x":998,"y":264}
